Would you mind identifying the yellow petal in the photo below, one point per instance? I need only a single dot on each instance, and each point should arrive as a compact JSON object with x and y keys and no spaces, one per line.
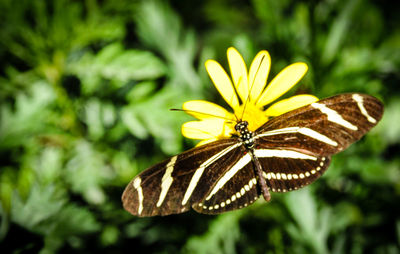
{"x":259,"y":70}
{"x":289,"y":104}
{"x":206,"y":141}
{"x":205,"y":109}
{"x":197,"y":130}
{"x":283,"y":82}
{"x":207,"y":129}
{"x":222,"y":83}
{"x":238,"y":73}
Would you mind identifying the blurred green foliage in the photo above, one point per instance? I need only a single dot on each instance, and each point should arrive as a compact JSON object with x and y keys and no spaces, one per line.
{"x":85,"y":92}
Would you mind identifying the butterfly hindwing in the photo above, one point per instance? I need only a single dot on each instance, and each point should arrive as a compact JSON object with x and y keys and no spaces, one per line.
{"x":289,"y":174}
{"x":240,"y":190}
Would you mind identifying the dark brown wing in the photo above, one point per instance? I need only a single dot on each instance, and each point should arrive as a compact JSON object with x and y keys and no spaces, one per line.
{"x":313,"y":133}
{"x":176,"y":184}
{"x":287,"y":174}
{"x":323,"y":128}
{"x":239,"y":191}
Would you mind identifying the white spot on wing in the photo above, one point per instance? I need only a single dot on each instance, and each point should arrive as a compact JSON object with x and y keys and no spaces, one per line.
{"x":199,"y":172}
{"x":229,"y":174}
{"x":359,"y":99}
{"x":315,"y":135}
{"x":166,"y":180}
{"x":304,"y":131}
{"x":264,"y":174}
{"x":263,"y":153}
{"x":136,"y":185}
{"x":334,"y":116}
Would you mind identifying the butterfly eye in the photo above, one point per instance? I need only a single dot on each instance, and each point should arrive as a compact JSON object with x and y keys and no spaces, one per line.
{"x":241,"y":126}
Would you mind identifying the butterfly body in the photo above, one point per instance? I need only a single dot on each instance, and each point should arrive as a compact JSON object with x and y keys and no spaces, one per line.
{"x":286,"y":153}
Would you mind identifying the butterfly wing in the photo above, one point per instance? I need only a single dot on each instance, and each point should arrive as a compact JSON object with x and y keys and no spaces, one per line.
{"x":185,"y":180}
{"x":305,"y":138}
{"x":236,"y":189}
{"x":287,"y":174}
{"x":325,"y":127}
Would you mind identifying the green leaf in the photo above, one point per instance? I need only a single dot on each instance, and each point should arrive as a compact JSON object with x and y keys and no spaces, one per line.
{"x":75,"y":220}
{"x":118,"y":65}
{"x":42,"y":204}
{"x":29,"y":117}
{"x":98,"y":116}
{"x":71,"y":222}
{"x":87,"y":172}
{"x":49,"y":165}
{"x":134,"y":64}
{"x":220,"y":238}
{"x":339,"y":28}
{"x":312,"y":225}
{"x":387,"y":130}
{"x":161,"y":123}
{"x":160,"y":28}
{"x":109,"y":235}
{"x":141,"y":91}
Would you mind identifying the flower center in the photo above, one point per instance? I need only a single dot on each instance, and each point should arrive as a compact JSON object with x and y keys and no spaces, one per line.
{"x":252,"y":114}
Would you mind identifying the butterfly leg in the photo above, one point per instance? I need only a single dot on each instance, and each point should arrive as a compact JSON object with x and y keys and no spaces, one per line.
{"x":261,"y":180}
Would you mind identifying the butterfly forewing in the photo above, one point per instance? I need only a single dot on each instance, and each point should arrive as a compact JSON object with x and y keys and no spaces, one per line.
{"x":316,"y":131}
{"x":325,"y":127}
{"x":172,"y":186}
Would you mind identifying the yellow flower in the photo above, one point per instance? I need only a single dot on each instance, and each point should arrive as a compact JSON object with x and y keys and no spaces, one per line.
{"x":215,"y":122}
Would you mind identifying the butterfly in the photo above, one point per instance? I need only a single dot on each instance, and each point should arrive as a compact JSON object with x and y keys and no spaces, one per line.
{"x":288,"y":152}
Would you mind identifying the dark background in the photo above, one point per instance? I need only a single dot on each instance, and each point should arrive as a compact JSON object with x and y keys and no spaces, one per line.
{"x":85,"y":93}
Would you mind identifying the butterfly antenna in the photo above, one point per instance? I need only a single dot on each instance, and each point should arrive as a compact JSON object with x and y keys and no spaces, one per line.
{"x":202,"y":113}
{"x":251,"y":87}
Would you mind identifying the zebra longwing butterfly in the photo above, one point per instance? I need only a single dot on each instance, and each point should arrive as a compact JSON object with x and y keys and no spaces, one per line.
{"x":288,"y":152}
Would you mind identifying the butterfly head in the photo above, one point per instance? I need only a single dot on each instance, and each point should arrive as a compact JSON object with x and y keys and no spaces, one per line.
{"x":241,"y":127}
{"x":245,"y":136}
